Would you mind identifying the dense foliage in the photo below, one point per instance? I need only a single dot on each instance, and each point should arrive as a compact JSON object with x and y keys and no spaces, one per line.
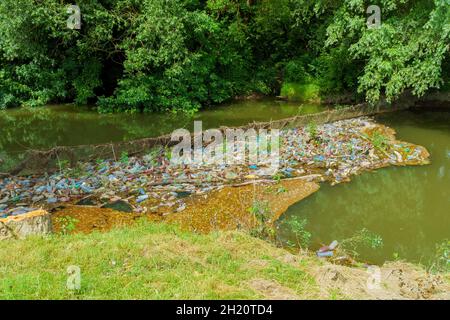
{"x":160,"y":55}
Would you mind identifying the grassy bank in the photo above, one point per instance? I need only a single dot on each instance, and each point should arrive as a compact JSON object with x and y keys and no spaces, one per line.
{"x":153,"y":261}
{"x":159,"y":261}
{"x":301,"y":92}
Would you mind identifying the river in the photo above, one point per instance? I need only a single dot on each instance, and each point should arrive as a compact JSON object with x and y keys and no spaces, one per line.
{"x":68,"y":125}
{"x":408,"y":207}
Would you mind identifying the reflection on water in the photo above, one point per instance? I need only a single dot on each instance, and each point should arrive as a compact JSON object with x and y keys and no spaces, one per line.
{"x":43,"y":128}
{"x":66,"y":125}
{"x":408,"y":206}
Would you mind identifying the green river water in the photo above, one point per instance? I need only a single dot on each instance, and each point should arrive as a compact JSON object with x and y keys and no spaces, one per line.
{"x":409,"y":207}
{"x":66,"y":125}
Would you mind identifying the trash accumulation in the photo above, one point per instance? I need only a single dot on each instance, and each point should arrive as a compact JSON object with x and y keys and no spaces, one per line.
{"x":327,"y":251}
{"x":331,"y":152}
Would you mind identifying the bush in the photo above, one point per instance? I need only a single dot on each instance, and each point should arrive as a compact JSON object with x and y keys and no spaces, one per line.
{"x":301,"y":92}
{"x":160,"y":55}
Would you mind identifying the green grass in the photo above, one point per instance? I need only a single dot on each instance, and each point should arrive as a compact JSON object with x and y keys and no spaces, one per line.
{"x":301,"y":92}
{"x":149,"y":261}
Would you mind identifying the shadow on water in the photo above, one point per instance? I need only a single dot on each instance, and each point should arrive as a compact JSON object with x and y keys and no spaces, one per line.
{"x":409,"y":207}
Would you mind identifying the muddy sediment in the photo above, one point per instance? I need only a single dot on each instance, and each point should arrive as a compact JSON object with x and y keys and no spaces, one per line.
{"x":231,"y":208}
{"x":393,"y":281}
{"x":87,"y":219}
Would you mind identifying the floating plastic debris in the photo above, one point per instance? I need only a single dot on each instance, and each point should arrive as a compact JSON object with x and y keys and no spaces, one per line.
{"x":141,"y":198}
{"x":325,"y":254}
{"x":338,"y":151}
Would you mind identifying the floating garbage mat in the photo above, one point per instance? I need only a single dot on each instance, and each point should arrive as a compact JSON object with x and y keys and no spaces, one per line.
{"x":32,"y":161}
{"x":330,"y":152}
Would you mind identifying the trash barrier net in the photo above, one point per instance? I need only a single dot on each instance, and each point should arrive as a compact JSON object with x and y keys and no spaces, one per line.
{"x":45,"y":161}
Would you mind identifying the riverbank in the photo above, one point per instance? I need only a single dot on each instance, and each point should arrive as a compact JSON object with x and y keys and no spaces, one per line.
{"x":159,"y":261}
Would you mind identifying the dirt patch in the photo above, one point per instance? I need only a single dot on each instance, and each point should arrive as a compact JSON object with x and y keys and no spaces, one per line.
{"x":272,"y":290}
{"x":224,"y":209}
{"x":229,"y":208}
{"x":396,"y":280}
{"x":90,"y":219}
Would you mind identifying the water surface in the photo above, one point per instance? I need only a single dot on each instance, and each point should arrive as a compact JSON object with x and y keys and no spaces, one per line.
{"x":67,"y":125}
{"x":409,"y":207}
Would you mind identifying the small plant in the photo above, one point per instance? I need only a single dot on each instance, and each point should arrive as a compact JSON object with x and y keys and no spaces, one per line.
{"x":224,"y":146}
{"x":396,"y":256}
{"x":277,"y":177}
{"x":276,"y":189}
{"x":281,"y":190}
{"x":262,"y":214}
{"x":441,"y":261}
{"x":77,"y":171}
{"x":67,"y":224}
{"x":124,"y":158}
{"x":365,"y":238}
{"x":63,"y":165}
{"x":168,"y":153}
{"x":260,"y":210}
{"x":101,"y":164}
{"x":311,"y":128}
{"x":297,"y":226}
{"x":379,"y":141}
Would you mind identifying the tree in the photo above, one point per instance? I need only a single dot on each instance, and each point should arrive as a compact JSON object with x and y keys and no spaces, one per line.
{"x":407,"y":52}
